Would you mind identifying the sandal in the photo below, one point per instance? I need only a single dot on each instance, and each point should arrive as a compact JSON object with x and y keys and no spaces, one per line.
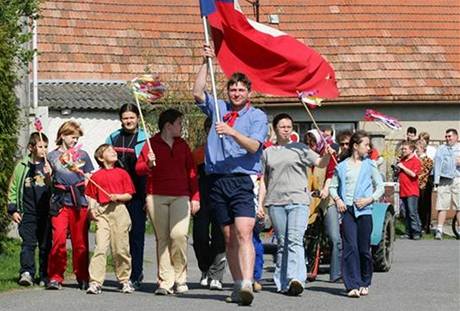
{"x":364,"y":291}
{"x":354,"y":293}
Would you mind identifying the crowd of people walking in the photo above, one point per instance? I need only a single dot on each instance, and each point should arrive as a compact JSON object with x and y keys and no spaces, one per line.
{"x":227,"y":186}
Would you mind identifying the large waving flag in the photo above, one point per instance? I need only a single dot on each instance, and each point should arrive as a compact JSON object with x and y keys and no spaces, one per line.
{"x":276,"y":63}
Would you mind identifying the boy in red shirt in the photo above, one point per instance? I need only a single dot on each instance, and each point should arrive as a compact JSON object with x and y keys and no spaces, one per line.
{"x":108,"y":190}
{"x":409,"y":191}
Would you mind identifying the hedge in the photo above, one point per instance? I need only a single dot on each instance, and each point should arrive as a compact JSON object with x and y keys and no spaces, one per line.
{"x":15,"y":19}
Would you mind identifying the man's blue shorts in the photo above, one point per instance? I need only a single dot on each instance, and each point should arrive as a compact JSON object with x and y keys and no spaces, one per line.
{"x":230,"y":196}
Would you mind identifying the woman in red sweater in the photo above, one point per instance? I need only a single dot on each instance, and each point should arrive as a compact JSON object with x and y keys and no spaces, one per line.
{"x":172,"y":194}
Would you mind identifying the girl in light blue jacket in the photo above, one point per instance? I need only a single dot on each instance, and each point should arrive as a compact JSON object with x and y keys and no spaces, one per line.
{"x":356,"y":184}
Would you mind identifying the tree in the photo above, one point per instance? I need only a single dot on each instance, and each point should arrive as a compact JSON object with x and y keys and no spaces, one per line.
{"x":15,"y":17}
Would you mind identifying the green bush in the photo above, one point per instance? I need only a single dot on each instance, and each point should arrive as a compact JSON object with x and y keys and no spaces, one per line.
{"x":192,"y":122}
{"x":15,"y":16}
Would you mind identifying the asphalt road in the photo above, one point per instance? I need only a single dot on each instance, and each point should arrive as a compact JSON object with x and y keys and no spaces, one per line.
{"x":425,"y":276}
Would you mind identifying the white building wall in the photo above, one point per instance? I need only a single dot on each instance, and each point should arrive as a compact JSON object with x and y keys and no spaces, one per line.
{"x":96,"y":127}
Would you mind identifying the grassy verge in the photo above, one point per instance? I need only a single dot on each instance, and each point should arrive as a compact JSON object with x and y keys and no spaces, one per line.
{"x":9,"y":265}
{"x":400,"y":230}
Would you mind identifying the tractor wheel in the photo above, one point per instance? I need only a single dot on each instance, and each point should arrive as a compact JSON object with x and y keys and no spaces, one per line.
{"x":383,"y":252}
{"x":455,"y":227}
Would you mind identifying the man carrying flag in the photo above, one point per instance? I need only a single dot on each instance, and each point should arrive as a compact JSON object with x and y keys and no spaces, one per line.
{"x":233,"y":152}
{"x":277,"y":64}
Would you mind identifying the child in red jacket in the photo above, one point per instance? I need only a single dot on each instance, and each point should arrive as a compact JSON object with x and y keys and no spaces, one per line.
{"x":172,"y":194}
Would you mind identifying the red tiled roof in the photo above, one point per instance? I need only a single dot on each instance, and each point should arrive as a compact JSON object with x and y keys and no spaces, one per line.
{"x":389,"y":50}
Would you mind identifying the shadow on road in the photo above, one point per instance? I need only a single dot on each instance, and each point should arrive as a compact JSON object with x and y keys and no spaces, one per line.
{"x":211,"y":295}
{"x":328,"y":290}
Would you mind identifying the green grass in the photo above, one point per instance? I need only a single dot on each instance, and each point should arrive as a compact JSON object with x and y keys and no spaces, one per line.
{"x":400,"y":230}
{"x":9,"y":264}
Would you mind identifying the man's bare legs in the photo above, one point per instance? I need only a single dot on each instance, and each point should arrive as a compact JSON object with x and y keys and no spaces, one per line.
{"x":240,"y":251}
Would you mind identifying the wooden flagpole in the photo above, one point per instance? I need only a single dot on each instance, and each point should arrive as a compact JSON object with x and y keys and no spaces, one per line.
{"x":211,"y":68}
{"x":143,"y":125}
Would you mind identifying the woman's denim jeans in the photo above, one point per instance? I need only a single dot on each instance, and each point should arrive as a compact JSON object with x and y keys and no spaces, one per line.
{"x":331,"y":222}
{"x":290,"y":222}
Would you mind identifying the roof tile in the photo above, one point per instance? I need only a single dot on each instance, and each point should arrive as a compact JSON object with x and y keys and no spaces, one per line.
{"x":385,"y":50}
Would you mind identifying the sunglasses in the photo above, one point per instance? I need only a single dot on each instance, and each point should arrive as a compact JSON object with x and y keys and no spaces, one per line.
{"x":344,"y":144}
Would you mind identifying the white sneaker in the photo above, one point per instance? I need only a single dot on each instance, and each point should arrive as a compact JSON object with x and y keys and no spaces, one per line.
{"x":94,"y":289}
{"x":438,"y":235}
{"x":181,"y":288}
{"x":26,"y":279}
{"x":204,"y":279}
{"x":127,"y":288}
{"x":215,"y":285}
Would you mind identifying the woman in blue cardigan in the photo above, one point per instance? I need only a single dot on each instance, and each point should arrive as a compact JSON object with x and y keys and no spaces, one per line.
{"x":356,"y":184}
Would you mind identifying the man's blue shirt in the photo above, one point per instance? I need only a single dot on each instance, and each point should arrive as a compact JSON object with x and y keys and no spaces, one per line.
{"x":445,"y":162}
{"x":224,"y":155}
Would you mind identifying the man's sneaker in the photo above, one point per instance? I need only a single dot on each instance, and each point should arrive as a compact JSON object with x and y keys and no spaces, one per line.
{"x":404,"y":237}
{"x":417,"y":237}
{"x":181,"y":288}
{"x":438,"y":235}
{"x":94,"y":289}
{"x":204,"y":279}
{"x":127,"y":288}
{"x":215,"y":285}
{"x":160,"y":291}
{"x":233,"y":298}
{"x":42,"y":283}
{"x":54,"y":285}
{"x":295,"y":288}
{"x":82,"y":285}
{"x":26,"y":279}
{"x":246,"y":295}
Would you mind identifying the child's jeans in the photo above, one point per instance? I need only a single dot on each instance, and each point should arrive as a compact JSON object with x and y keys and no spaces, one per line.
{"x":35,"y":230}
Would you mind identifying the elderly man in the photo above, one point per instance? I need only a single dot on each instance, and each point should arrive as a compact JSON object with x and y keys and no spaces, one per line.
{"x":447,"y":178}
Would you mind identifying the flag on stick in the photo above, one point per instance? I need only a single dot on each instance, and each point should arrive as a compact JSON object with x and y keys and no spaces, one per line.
{"x":147,"y":88}
{"x":70,"y":160}
{"x":276,"y":63}
{"x":39,"y":128}
{"x":390,"y":122}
